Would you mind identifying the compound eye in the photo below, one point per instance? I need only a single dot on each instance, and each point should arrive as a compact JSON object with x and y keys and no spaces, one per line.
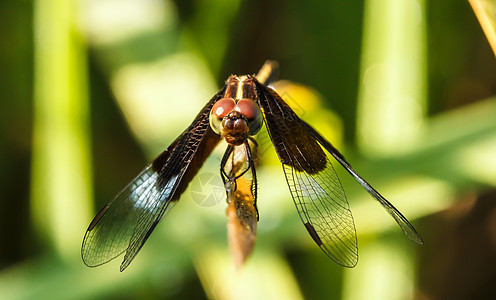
{"x":220,"y":109}
{"x":251,"y":111}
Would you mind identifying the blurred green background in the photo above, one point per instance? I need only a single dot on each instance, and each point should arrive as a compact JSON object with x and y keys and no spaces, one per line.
{"x":94,"y":89}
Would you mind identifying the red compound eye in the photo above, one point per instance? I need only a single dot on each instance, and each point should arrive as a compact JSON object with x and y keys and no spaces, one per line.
{"x":220,"y":109}
{"x":223,"y":107}
{"x":251,"y":111}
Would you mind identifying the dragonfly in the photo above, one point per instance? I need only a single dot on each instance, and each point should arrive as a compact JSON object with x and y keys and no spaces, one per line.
{"x":236,"y":114}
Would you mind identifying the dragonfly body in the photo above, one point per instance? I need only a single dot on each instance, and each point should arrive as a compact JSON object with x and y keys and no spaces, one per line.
{"x":236,"y":113}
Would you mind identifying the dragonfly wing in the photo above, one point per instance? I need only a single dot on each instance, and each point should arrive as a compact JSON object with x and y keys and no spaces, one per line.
{"x":111,"y":231}
{"x":315,"y":187}
{"x":125,"y":223}
{"x":404,"y":224}
{"x":274,"y":107}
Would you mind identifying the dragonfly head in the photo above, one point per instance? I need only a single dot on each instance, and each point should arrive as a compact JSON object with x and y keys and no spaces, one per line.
{"x":235,"y":119}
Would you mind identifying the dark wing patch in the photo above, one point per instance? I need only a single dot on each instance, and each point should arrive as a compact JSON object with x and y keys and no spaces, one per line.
{"x":312,"y":180}
{"x":126,"y":222}
{"x":291,"y":140}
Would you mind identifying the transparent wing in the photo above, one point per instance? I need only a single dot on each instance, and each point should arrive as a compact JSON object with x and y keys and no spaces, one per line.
{"x":404,"y":224}
{"x":126,"y":222}
{"x":312,"y":180}
{"x":324,"y":210}
{"x":122,"y":221}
